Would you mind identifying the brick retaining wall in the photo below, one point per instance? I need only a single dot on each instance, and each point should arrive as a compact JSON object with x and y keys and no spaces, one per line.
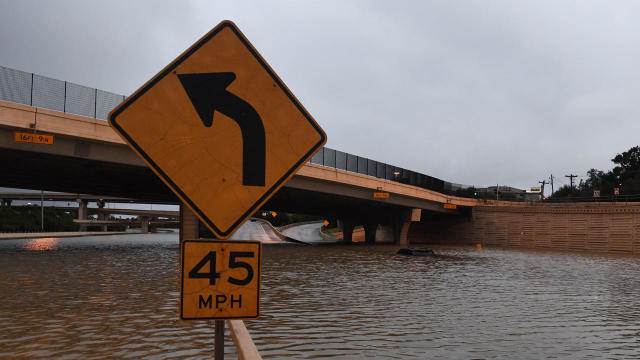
{"x":584,"y":227}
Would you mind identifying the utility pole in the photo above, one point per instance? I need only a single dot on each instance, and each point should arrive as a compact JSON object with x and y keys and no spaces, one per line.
{"x":551,"y":178}
{"x":497,"y":191}
{"x":571,"y":176}
{"x":543,"y":182}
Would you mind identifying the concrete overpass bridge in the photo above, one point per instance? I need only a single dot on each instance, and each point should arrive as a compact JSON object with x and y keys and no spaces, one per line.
{"x":144,"y":217}
{"x":7,"y":197}
{"x":146,"y":224}
{"x":88,"y":157}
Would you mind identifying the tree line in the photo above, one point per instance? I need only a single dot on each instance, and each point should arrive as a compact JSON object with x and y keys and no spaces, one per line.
{"x":625,"y":176}
{"x":28,"y":219}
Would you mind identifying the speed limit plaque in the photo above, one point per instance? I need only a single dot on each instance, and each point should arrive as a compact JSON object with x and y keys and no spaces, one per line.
{"x":220,"y":279}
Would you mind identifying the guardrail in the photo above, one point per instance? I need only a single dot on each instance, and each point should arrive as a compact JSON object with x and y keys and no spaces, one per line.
{"x":245,"y":347}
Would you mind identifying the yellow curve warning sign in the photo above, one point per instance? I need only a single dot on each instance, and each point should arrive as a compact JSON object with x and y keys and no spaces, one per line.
{"x":220,"y":129}
{"x":220,"y":279}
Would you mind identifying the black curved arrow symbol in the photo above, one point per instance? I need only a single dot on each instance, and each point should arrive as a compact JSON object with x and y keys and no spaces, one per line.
{"x":208,"y":93}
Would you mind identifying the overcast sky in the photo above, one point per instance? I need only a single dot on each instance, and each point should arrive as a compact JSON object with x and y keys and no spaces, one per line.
{"x":474,"y":92}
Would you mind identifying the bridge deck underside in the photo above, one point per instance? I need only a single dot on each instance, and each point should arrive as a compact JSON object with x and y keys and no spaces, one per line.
{"x":88,"y":157}
{"x":32,"y":170}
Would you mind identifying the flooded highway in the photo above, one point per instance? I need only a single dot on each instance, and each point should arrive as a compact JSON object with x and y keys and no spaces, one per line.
{"x":117,"y":297}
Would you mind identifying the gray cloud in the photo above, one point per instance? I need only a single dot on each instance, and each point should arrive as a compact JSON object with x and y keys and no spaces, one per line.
{"x":473,"y":92}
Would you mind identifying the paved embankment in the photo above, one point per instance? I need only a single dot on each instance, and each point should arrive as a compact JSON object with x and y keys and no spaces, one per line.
{"x":256,"y":229}
{"x":307,"y":232}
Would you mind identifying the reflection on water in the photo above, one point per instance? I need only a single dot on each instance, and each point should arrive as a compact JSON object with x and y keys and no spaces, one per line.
{"x":117,"y":297}
{"x":41,"y":244}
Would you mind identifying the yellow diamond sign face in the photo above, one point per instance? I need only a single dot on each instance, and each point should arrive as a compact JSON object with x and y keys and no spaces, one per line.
{"x":220,"y":128}
{"x":220,"y":279}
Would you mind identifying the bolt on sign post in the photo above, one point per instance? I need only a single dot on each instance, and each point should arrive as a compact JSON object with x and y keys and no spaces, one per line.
{"x":220,"y":129}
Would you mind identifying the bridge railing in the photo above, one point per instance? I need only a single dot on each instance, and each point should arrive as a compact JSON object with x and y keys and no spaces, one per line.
{"x":44,"y":92}
{"x":358,"y":164}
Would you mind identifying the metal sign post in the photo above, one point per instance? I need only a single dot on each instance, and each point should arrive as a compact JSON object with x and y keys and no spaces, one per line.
{"x":219,"y":342}
{"x":220,"y":279}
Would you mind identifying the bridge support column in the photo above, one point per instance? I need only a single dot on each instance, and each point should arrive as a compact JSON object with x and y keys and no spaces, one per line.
{"x":83,"y":212}
{"x":402,"y":224}
{"x":189,"y":224}
{"x":102,"y":216}
{"x":401,"y":233}
{"x":347,"y":231}
{"x":370,"y":233}
{"x":154,"y":228}
{"x":144,"y":223}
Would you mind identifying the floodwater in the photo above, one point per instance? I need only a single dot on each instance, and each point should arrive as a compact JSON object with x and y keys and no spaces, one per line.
{"x":116,"y":297}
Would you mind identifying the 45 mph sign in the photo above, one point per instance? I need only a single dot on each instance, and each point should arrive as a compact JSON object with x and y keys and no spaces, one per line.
{"x":220,"y":279}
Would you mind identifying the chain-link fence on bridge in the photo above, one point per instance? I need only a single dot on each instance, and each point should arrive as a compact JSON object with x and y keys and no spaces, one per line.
{"x":44,"y":92}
